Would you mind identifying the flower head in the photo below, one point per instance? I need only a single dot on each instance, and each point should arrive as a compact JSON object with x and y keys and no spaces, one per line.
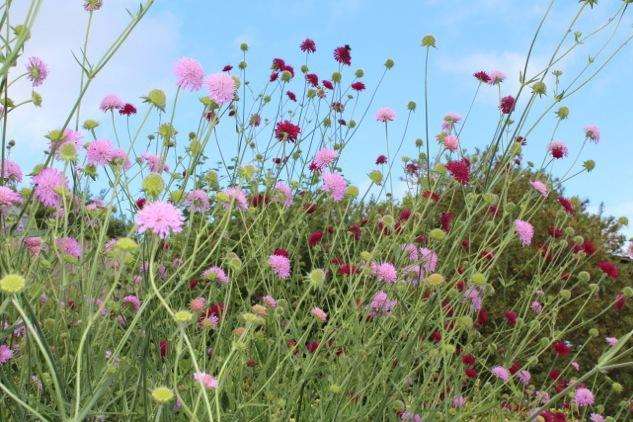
{"x":592,"y":132}
{"x":460,"y":170}
{"x":319,"y":314}
{"x":525,"y":231}
{"x":381,"y":305}
{"x":99,"y":152}
{"x":308,"y":46}
{"x":216,"y":274}
{"x":323,"y":158}
{"x":237,"y":194}
{"x":285,"y":192}
{"x":334,"y":184}
{"x":500,"y":372}
{"x":343,"y":55}
{"x":36,"y":70}
{"x":583,"y":397}
{"x":287,"y":131}
{"x":197,"y":201}
{"x":496,"y":77}
{"x":161,"y":218}
{"x":48,"y":182}
{"x":12,"y":171}
{"x":12,"y":283}
{"x":507,"y":104}
{"x":5,"y":354}
{"x":385,"y":272}
{"x":9,"y":198}
{"x":540,"y":187}
{"x":154,"y":162}
{"x":69,"y":246}
{"x":385,"y":114}
{"x":557,"y":149}
{"x":221,"y":87}
{"x":451,"y":142}
{"x":111,"y":102}
{"x":132,"y":301}
{"x":280,"y":265}
{"x":189,"y":74}
{"x":206,"y":380}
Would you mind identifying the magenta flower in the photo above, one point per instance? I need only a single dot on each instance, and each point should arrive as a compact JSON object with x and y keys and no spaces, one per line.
{"x":206,"y":380}
{"x":99,"y":152}
{"x":280,"y":265}
{"x":285,"y":192}
{"x":154,"y":162}
{"x":47,"y":184}
{"x":12,"y":171}
{"x":9,"y":198}
{"x":133,"y":301}
{"x":500,"y":372}
{"x":238,"y":196}
{"x":221,"y":87}
{"x":384,"y":272}
{"x":36,"y":71}
{"x":385,"y":114}
{"x":459,"y":402}
{"x":69,"y":246}
{"x":611,"y":341}
{"x":269,"y":301}
{"x":507,"y":104}
{"x":557,"y":149}
{"x":525,"y":231}
{"x":334,"y":184}
{"x":540,"y":187}
{"x":381,"y":305}
{"x":216,"y":274}
{"x":583,"y":397}
{"x":111,"y":102}
{"x":323,"y":158}
{"x":198,"y":201}
{"x":5,"y":354}
{"x":189,"y":73}
{"x":592,"y":132}
{"x":161,"y":218}
{"x":536,"y":307}
{"x":524,"y":377}
{"x":319,"y":314}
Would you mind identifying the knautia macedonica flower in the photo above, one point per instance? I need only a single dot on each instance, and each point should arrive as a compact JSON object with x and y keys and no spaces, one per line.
{"x":507,"y":104}
{"x":36,"y":70}
{"x":557,"y":149}
{"x":48,"y":183}
{"x":451,"y":142}
{"x":308,"y":46}
{"x":237,"y":194}
{"x":496,"y":77}
{"x":160,"y":218}
{"x":334,"y":184}
{"x":221,"y":87}
{"x":111,"y":102}
{"x":343,"y":55}
{"x":99,"y":152}
{"x":592,"y":132}
{"x":197,"y":201}
{"x":189,"y":74}
{"x":449,"y":121}
{"x":269,"y":301}
{"x":33,"y":244}
{"x":381,"y":305}
{"x":524,"y":377}
{"x":525,"y":231}
{"x":583,"y":397}
{"x":9,"y":198}
{"x":385,"y":114}
{"x":133,"y":301}
{"x":69,"y":246}
{"x":280,"y":265}
{"x":540,"y":187}
{"x":154,"y":162}
{"x":287,"y":131}
{"x":207,"y":381}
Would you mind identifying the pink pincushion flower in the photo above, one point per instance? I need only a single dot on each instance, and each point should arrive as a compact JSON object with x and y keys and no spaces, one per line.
{"x":189,"y":73}
{"x":451,"y":142}
{"x":583,"y":397}
{"x":496,"y":77}
{"x":575,"y":365}
{"x":536,"y":307}
{"x":557,"y":149}
{"x":36,"y":71}
{"x":596,"y":417}
{"x":216,"y":274}
{"x":12,"y":171}
{"x":47,"y":183}
{"x":269,"y":301}
{"x":381,"y":305}
{"x":111,"y":102}
{"x":473,"y":295}
{"x":285,"y":192}
{"x":99,"y":152}
{"x":197,"y":200}
{"x":319,"y":314}
{"x":5,"y":354}
{"x":206,"y":380}
{"x":33,"y":244}
{"x":540,"y":187}
{"x":197,"y":304}
{"x":221,"y":87}
{"x":323,"y":158}
{"x":334,"y":184}
{"x":525,"y":231}
{"x":459,"y":402}
{"x":280,"y":265}
{"x":592,"y":132}
{"x":69,"y":246}
{"x":161,"y":218}
{"x":611,"y":341}
{"x":384,"y":271}
{"x":385,"y":114}
{"x":500,"y":372}
{"x":119,"y":157}
{"x":238,"y":196}
{"x":524,"y":377}
{"x":9,"y":198}
{"x":450,"y":120}
{"x":154,"y":162}
{"x":133,"y":301}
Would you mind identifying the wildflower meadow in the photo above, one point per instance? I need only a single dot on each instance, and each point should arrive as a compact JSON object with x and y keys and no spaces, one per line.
{"x":228,"y":269}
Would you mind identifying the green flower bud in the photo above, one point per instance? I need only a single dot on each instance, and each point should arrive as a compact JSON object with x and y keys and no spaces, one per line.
{"x":36,"y":98}
{"x":478,"y":278}
{"x":584,"y":276}
{"x":157,"y":98}
{"x":125,"y":244}
{"x":419,"y":142}
{"x":244,"y":47}
{"x":286,"y":76}
{"x":563,"y":113}
{"x":90,"y":124}
{"x":162,"y":395}
{"x":336,"y":77}
{"x":411,"y":105}
{"x":336,"y":389}
{"x":594,"y":332}
{"x":435,"y":279}
{"x":578,"y":240}
{"x":253,"y":319}
{"x":428,"y":41}
{"x":389,"y":63}
{"x":376,"y":177}
{"x":490,"y":198}
{"x":351,"y":192}
{"x":153,"y":184}
{"x":316,"y":278}
{"x":167,"y":131}
{"x":565,"y":294}
{"x":539,"y":88}
{"x":437,"y":234}
{"x":465,"y":322}
{"x":183,"y":316}
{"x":388,"y":221}
{"x":623,"y":221}
{"x":616,"y":387}
{"x":12,"y":283}
{"x":68,"y":151}
{"x":589,"y":165}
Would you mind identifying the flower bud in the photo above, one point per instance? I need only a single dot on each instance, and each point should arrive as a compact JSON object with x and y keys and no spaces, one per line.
{"x":435,"y":279}
{"x":428,"y":41}
{"x":411,"y":106}
{"x":478,"y":278}
{"x":563,"y":113}
{"x":437,"y":234}
{"x":359,"y":73}
{"x":244,"y":47}
{"x":316,"y":278}
{"x":389,"y":63}
{"x":589,"y":165}
{"x":594,"y":332}
{"x":12,"y":283}
{"x":153,"y":184}
{"x":539,"y":88}
{"x":376,"y":177}
{"x":565,"y":294}
{"x":157,"y":98}
{"x":183,"y":316}
{"x":584,"y":276}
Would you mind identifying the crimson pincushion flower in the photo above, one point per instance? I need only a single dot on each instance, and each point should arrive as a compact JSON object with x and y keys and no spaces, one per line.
{"x":312,"y":79}
{"x":561,"y":348}
{"x":557,"y":149}
{"x":189,"y":74}
{"x":343,"y":55}
{"x":308,"y":46}
{"x":507,"y":104}
{"x":314,"y":238}
{"x":609,"y":268}
{"x":482,"y":76}
{"x":566,"y":204}
{"x":287,"y":131}
{"x":221,"y":87}
{"x":358,"y":86}
{"x":460,"y":170}
{"x":127,"y":110}
{"x":160,"y":218}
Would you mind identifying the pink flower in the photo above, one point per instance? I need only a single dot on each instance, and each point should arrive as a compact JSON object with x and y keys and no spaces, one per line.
{"x":450,"y":120}
{"x":221,"y":87}
{"x":319,"y":314}
{"x":119,"y":157}
{"x":99,"y":152}
{"x":33,"y":244}
{"x":207,"y":381}
{"x":161,"y":218}
{"x":500,"y":372}
{"x":189,"y":73}
{"x":524,"y":377}
{"x":5,"y":354}
{"x":12,"y":171}
{"x":381,"y":305}
{"x":525,"y":231}
{"x":540,"y":187}
{"x":334,"y":184}
{"x":197,"y":201}
{"x":197,"y":304}
{"x":496,"y":77}
{"x":536,"y":307}
{"x":583,"y":397}
{"x":154,"y":162}
{"x":596,"y":417}
{"x":384,"y":271}
{"x":451,"y":142}
{"x":111,"y":102}
{"x":285,"y":192}
{"x":238,"y":196}
{"x":280,"y":265}
{"x":69,"y":246}
{"x":133,"y":301}
{"x":9,"y":198}
{"x":385,"y":114}
{"x":611,"y":341}
{"x":592,"y":132}
{"x":459,"y":402}
{"x":216,"y":274}
{"x":575,"y":365}
{"x":323,"y":158}
{"x":269,"y":301}
{"x":36,"y":71}
{"x":557,"y":149}
{"x":47,"y":182}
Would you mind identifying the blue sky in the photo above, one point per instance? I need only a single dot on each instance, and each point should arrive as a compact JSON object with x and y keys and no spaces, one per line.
{"x":472,"y":35}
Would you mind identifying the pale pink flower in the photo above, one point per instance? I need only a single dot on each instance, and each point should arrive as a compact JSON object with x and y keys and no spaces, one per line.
{"x":583,"y":397}
{"x":198,"y":201}
{"x":133,"y":301}
{"x":280,"y":265}
{"x":575,"y":365}
{"x":596,"y":417}
{"x":592,"y":132}
{"x":189,"y":73}
{"x":323,"y":158}
{"x":12,"y":171}
{"x":5,"y":354}
{"x":285,"y":192}
{"x":99,"y":152}
{"x":525,"y":231}
{"x":221,"y":87}
{"x":629,"y":250}
{"x":209,"y":322}
{"x":111,"y":102}
{"x":33,"y":244}
{"x":459,"y":402}
{"x":611,"y":341}
{"x":384,"y":271}
{"x":473,"y":295}
{"x":385,"y":114}
{"x":319,"y":314}
{"x":496,"y":77}
{"x":450,"y":120}
{"x":269,"y":301}
{"x":207,"y":381}
{"x":536,"y":307}
{"x":524,"y":377}
{"x":381,"y":305}
{"x":47,"y":183}
{"x":540,"y":187}
{"x":238,"y":195}
{"x":197,"y":304}
{"x":119,"y":157}
{"x":500,"y":372}
{"x":216,"y":274}
{"x":69,"y":246}
{"x":9,"y":198}
{"x":161,"y":218}
{"x":451,"y":142}
{"x":154,"y":162}
{"x":36,"y":71}
{"x":334,"y":184}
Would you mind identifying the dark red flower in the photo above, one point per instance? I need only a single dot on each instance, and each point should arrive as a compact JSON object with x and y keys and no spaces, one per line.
{"x":609,"y":268}
{"x":312,"y":346}
{"x":446,"y":220}
{"x":163,"y":348}
{"x":227,"y":68}
{"x":312,"y":79}
{"x":566,"y":204}
{"x":308,"y":46}
{"x":553,"y":374}
{"x":310,"y":208}
{"x":347,"y":269}
{"x":127,"y":110}
{"x":328,"y":84}
{"x":278,"y":64}
{"x":291,"y":95}
{"x":281,"y":252}
{"x":315,"y":238}
{"x":431,"y":195}
{"x":555,"y":232}
{"x":507,"y":104}
{"x":471,"y":373}
{"x":140,"y":203}
{"x":436,"y":337}
{"x":274,"y":76}
{"x":358,"y":86}
{"x":561,"y":348}
{"x":468,"y":360}
{"x":343,"y":55}
{"x":405,"y":214}
{"x":511,"y":317}
{"x":354,"y":230}
{"x":460,"y":170}
{"x":515,"y":367}
{"x":381,"y":159}
{"x":411,"y":168}
{"x":482,"y":317}
{"x":287,"y":131}
{"x":482,"y":76}
{"x":620,"y":302}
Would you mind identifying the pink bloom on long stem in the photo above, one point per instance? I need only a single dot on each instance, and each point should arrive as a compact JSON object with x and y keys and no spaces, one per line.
{"x":334,"y":184}
{"x":119,"y":157}
{"x":280,"y":265}
{"x":154,"y":162}
{"x":285,"y":192}
{"x":197,"y":201}
{"x":583,"y":397}
{"x":611,"y":341}
{"x":524,"y":377}
{"x":206,"y":380}
{"x":161,"y":218}
{"x":540,"y":187}
{"x":216,"y":274}
{"x":592,"y":132}
{"x":36,"y":71}
{"x":536,"y":307}
{"x":221,"y":87}
{"x":9,"y":198}
{"x":238,"y":196}
{"x":319,"y":314}
{"x":450,"y":120}
{"x":269,"y":301}
{"x":99,"y":152}
{"x":451,"y":142}
{"x":111,"y":102}
{"x":323,"y":158}
{"x":189,"y":73}
{"x":385,"y":272}
{"x":197,"y":304}
{"x":557,"y":149}
{"x":5,"y":354}
{"x":47,"y":183}
{"x":385,"y":114}
{"x":496,"y":77}
{"x":12,"y":171}
{"x":525,"y":231}
{"x":500,"y":372}
{"x":381,"y":305}
{"x":33,"y":244}
{"x":69,"y":246}
{"x":459,"y":402}
{"x":596,"y":417}
{"x":133,"y":301}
